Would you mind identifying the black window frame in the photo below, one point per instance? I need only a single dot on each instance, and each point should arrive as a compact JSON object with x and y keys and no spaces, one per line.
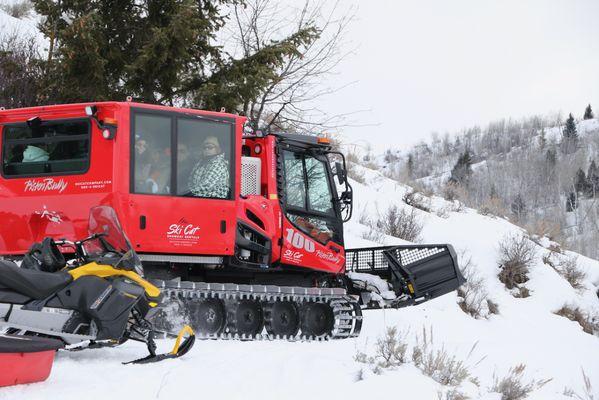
{"x":334,"y":217}
{"x":72,"y":138}
{"x":175,"y":116}
{"x":332,"y":190}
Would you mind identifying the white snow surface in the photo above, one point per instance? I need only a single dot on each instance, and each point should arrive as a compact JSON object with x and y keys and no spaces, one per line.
{"x":525,"y":331}
{"x":23,"y":28}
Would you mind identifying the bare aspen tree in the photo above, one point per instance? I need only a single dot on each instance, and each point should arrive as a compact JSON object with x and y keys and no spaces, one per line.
{"x":288,"y":102}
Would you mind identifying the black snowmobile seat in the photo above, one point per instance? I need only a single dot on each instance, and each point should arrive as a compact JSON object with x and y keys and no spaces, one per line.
{"x":35,"y":284}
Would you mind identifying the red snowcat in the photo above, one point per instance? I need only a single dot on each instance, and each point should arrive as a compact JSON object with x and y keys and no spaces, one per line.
{"x":242,"y":231}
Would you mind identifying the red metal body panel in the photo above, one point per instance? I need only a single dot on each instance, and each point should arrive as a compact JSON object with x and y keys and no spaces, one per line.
{"x":300,"y":249}
{"x":305,"y":252}
{"x":58,"y":206}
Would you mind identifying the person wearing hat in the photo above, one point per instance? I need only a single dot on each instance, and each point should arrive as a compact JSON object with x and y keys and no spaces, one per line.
{"x":210,"y":176}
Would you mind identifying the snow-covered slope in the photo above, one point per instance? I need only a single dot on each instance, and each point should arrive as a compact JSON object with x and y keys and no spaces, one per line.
{"x":23,"y":28}
{"x":525,"y":331}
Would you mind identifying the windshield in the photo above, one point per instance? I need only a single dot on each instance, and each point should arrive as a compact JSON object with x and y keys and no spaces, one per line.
{"x":104,"y":223}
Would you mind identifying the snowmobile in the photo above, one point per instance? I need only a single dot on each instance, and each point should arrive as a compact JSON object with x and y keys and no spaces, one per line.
{"x":98,"y":299}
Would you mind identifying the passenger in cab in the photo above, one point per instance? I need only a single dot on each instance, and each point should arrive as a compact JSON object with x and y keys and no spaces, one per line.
{"x":210,"y":176}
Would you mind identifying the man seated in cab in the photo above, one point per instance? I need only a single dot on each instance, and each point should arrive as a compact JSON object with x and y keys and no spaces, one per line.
{"x":210,"y":176}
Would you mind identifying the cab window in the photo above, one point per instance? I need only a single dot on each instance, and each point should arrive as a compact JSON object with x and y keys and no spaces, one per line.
{"x":203,"y":161}
{"x":152,"y":154}
{"x":306,"y":183}
{"x":182,"y":156}
{"x":46,"y":148}
{"x":308,"y":197}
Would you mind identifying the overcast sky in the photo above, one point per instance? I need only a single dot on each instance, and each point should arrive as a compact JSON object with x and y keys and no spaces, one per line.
{"x":424,"y":66}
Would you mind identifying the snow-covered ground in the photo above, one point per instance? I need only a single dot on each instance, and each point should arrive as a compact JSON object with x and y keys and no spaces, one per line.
{"x":525,"y":331}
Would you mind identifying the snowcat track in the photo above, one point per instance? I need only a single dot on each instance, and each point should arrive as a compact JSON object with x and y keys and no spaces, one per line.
{"x":346,"y":310}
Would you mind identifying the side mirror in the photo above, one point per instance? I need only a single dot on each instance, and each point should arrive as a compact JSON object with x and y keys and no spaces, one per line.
{"x":341,"y":173}
{"x":347,"y":196}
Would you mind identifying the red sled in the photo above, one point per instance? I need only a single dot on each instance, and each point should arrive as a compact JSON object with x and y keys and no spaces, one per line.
{"x":26,"y":359}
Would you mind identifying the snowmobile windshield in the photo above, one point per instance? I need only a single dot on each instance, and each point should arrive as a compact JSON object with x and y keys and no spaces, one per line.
{"x":104,"y":224}
{"x":108,"y":243}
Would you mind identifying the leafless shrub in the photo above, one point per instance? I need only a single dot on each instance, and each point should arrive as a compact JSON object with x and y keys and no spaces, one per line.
{"x":359,"y":375}
{"x":588,"y":389}
{"x":401,"y":223}
{"x":521,"y":292}
{"x":390,"y":351}
{"x":574,"y":275}
{"x":21,"y":71}
{"x":545,"y":228}
{"x":567,"y":268}
{"x":589,"y":323}
{"x":416,"y":200}
{"x":352,"y":157}
{"x":472,"y":295}
{"x":443,"y":212}
{"x":438,"y":363}
{"x":555,"y":248}
{"x":513,"y":387}
{"x":373,"y":233}
{"x":363,"y":358}
{"x":370,"y":165}
{"x":421,"y":188}
{"x":354,"y":173}
{"x":19,"y":10}
{"x":394,"y":222}
{"x":492,"y":207}
{"x":493,"y":307}
{"x":452,"y":394}
{"x":516,"y":256}
{"x":452,"y":191}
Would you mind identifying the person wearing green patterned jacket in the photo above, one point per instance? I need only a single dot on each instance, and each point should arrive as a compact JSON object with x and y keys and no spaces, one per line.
{"x":210,"y":176}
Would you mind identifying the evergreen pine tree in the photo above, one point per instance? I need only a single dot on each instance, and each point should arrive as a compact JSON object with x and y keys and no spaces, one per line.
{"x":518,"y":207}
{"x":551,"y":157}
{"x":593,"y":179}
{"x":411,"y":166}
{"x":493,"y":193}
{"x":542,"y":139}
{"x":569,"y":136}
{"x":588,"y":113}
{"x":462,"y":170}
{"x":571,"y":202}
{"x":580,"y":181}
{"x":156,"y":51}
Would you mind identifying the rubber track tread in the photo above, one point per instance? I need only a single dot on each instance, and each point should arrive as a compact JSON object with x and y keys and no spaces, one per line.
{"x":346,"y":310}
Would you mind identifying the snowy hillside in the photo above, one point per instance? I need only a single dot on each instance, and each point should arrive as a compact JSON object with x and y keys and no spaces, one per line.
{"x":24,"y":28}
{"x":525,"y":331}
{"x":527,"y":170}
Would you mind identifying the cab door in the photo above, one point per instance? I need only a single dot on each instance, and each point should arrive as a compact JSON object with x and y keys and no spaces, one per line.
{"x":183,"y":186}
{"x":312,"y":227}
